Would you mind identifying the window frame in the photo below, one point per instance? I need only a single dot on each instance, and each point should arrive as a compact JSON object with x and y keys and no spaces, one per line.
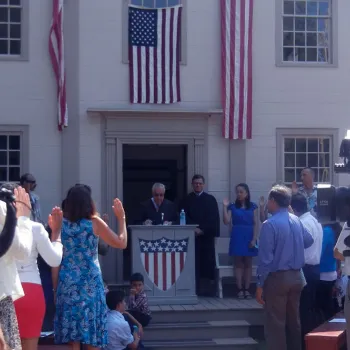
{"x":282,"y":133}
{"x":333,"y":47}
{"x":125,"y":29}
{"x":23,"y":132}
{"x":24,"y":56}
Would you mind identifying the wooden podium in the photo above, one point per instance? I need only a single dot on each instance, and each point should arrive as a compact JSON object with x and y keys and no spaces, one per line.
{"x":165,"y":256}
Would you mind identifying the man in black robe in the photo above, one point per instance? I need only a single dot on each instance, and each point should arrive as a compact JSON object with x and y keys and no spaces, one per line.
{"x":202,"y":209}
{"x":158,"y":210}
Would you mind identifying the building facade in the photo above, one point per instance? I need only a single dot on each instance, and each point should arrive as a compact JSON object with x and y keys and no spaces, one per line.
{"x":301,"y":65}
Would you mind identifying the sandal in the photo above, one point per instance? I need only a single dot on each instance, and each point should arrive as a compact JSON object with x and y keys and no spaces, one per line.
{"x":240,"y":294}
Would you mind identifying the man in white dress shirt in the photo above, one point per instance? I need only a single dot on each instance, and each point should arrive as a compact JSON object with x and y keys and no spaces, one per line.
{"x":308,"y":303}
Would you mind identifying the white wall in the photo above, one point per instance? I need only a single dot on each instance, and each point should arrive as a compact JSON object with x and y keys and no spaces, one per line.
{"x":292,"y":97}
{"x":28,"y":97}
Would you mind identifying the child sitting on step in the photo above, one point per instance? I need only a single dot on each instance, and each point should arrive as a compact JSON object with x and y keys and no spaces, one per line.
{"x":138,"y":302}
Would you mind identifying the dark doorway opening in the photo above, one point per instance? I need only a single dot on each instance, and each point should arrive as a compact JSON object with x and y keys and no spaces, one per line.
{"x":143,"y":165}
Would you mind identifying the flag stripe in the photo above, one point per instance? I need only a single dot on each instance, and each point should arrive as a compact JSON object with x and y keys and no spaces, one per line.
{"x":173,"y":269}
{"x":155,"y":264}
{"x":56,"y":51}
{"x":154,"y":71}
{"x":236,"y":57}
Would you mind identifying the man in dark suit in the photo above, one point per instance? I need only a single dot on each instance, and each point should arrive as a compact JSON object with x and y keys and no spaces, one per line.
{"x":201,"y":209}
{"x":158,"y":210}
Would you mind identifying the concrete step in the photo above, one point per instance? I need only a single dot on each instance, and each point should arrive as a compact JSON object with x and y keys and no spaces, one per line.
{"x":252,"y":316}
{"x":197,"y":330}
{"x":213,"y":344}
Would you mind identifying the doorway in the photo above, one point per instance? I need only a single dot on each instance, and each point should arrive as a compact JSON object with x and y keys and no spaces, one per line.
{"x":143,"y":165}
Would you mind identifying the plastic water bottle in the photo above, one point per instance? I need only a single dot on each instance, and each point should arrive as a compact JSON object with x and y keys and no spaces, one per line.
{"x":182,"y":218}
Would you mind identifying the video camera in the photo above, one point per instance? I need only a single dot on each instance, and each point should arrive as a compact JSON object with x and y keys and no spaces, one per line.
{"x":333,"y":203}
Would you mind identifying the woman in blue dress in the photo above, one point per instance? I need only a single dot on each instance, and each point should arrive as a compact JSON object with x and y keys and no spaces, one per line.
{"x":243,"y":214}
{"x":81,"y":310}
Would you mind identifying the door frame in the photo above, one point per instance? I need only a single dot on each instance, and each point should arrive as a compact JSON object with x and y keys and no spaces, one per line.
{"x":147,"y":127}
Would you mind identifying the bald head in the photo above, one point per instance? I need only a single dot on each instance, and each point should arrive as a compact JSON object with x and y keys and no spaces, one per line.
{"x":307,"y":177}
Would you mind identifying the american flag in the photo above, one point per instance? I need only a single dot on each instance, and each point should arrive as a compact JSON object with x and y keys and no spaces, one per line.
{"x":163,"y":260}
{"x":154,"y":54}
{"x":56,"y":49}
{"x":236,"y":53}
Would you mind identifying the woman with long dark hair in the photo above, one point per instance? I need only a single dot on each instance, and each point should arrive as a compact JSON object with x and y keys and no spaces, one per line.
{"x":81,"y":311}
{"x":243,"y":214}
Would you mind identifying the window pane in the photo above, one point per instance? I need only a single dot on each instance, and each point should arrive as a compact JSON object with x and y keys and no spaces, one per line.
{"x":14,"y":142}
{"x":322,"y":39}
{"x":14,"y":174}
{"x":3,"y":157}
{"x":298,"y":174}
{"x":136,"y":2}
{"x":299,"y":39}
{"x":3,"y":14}
{"x":311,"y":39}
{"x":312,"y":145}
{"x":288,"y":7}
{"x":15,"y":47}
{"x":301,"y":145}
{"x":174,"y":2}
{"x":312,"y":55}
{"x":300,"y":8}
{"x":3,"y":31}
{"x":289,"y":160}
{"x":15,"y":15}
{"x":3,"y":47}
{"x":300,"y":23}
{"x":148,"y":3}
{"x":322,"y":55}
{"x":323,"y":175}
{"x":288,"y":39}
{"x":311,"y":24}
{"x":312,"y":8}
{"x":324,"y":145}
{"x":15,"y":2}
{"x":289,"y":145}
{"x":288,"y":54}
{"x":15,"y":31}
{"x":317,"y":177}
{"x":312,"y":160}
{"x":161,"y":3}
{"x":3,"y":142}
{"x":300,"y":54}
{"x":324,"y":8}
{"x":14,"y":158}
{"x":289,"y":175}
{"x":301,"y":160}
{"x":322,"y":25}
{"x":323,"y":160}
{"x":3,"y":174}
{"x":288,"y":23}
{"x":3,"y":2}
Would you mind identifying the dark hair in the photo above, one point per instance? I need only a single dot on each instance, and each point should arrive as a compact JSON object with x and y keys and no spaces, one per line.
{"x":198,"y":177}
{"x":247,"y":203}
{"x":27,"y":177}
{"x":281,"y":195}
{"x":113,"y":298}
{"x":10,"y":186}
{"x":79,"y":205}
{"x":136,"y":277}
{"x":299,"y":203}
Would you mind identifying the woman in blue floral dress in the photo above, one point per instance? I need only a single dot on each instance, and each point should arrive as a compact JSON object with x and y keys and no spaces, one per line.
{"x":81,"y":310}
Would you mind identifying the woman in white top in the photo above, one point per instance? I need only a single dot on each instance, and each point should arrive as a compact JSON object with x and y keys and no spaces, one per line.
{"x":10,"y":285}
{"x":30,"y":310}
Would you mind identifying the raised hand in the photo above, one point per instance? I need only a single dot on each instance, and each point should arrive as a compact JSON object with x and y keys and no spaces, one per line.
{"x":23,"y":205}
{"x":118,"y":209}
{"x":262,"y":201}
{"x":295,"y":187}
{"x":226,"y":202}
{"x":55,"y":220}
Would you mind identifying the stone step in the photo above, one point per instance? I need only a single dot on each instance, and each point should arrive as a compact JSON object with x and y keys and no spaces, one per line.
{"x":196,"y":330}
{"x":213,"y":344}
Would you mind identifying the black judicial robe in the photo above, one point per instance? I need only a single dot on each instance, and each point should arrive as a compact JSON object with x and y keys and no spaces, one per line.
{"x":149,"y":212}
{"x":203,"y":210}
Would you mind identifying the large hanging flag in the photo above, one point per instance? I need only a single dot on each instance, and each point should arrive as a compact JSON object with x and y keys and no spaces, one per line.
{"x":236,"y":77}
{"x":154,"y":54}
{"x":56,"y":49}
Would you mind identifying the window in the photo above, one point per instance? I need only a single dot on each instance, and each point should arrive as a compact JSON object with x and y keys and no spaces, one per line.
{"x":307,"y":32}
{"x":10,"y":158}
{"x":155,"y":4}
{"x":300,"y":148}
{"x":13,"y":28}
